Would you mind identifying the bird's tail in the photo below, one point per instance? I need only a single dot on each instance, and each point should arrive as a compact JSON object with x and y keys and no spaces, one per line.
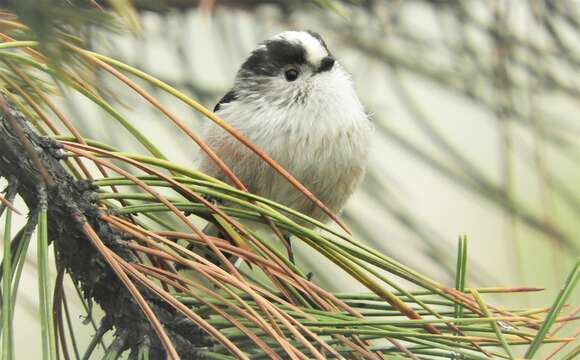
{"x":213,"y":230}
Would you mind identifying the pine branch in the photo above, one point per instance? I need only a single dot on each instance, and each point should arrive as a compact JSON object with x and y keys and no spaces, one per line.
{"x":68,"y":205}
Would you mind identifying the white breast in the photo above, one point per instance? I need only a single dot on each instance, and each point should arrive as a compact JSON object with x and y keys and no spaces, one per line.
{"x":323,"y":142}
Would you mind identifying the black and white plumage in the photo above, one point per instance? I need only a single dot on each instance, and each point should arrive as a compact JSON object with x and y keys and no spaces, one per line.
{"x":295,"y":102}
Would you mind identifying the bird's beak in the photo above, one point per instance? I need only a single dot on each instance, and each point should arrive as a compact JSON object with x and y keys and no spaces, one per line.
{"x":326,"y":64}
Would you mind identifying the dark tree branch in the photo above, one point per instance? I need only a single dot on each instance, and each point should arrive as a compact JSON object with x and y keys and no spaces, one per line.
{"x":69,"y":201}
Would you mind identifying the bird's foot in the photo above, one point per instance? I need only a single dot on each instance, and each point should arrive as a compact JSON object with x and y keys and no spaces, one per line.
{"x":288,"y":245}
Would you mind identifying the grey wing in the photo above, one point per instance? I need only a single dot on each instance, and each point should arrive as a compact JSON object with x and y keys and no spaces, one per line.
{"x":228,"y":97}
{"x":212,"y":135}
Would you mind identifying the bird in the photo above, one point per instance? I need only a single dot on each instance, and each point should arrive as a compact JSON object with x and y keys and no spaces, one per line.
{"x":296,"y":102}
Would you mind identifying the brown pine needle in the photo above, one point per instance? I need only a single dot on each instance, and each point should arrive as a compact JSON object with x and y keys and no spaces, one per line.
{"x":9,"y":205}
{"x":109,"y":257}
{"x":167,"y":277}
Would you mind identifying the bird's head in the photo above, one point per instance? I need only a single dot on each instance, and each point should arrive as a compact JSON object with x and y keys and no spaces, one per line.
{"x":289,"y":68}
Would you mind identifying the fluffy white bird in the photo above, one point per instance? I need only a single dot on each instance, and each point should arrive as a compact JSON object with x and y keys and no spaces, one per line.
{"x":297,"y":103}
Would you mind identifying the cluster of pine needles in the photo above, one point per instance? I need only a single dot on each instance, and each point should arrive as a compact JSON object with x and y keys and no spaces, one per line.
{"x":268,"y":308}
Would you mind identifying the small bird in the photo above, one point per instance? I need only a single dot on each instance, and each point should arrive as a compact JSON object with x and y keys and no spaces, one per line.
{"x":293,"y":100}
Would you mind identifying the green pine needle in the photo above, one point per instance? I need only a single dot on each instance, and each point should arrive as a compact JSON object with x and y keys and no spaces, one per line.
{"x":560,"y":301}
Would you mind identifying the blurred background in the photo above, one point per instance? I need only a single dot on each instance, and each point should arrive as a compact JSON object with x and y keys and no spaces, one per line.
{"x":475,"y":106}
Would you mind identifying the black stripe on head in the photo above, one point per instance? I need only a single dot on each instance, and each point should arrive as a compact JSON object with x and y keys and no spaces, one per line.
{"x":317,"y":36}
{"x":274,"y":56}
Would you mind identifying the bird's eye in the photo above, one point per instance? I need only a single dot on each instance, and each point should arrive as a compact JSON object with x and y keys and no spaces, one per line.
{"x":291,"y":74}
